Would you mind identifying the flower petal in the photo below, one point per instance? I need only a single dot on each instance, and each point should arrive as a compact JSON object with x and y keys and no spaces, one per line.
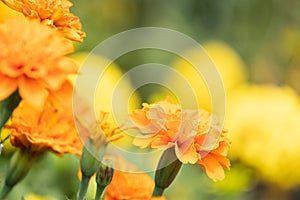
{"x":32,"y":91}
{"x":139,"y":118}
{"x":54,"y":79}
{"x":212,"y":167}
{"x":142,"y":141}
{"x":161,"y":141}
{"x":67,"y":65}
{"x":211,"y":140}
{"x":7,"y":86}
{"x":186,"y":153}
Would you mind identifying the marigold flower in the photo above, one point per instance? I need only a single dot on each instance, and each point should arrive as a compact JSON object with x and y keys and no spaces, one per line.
{"x":55,"y":13}
{"x":32,"y":59}
{"x":127,"y":185}
{"x":197,"y":135}
{"x":264,"y":126}
{"x":49,"y":129}
{"x":100,"y":131}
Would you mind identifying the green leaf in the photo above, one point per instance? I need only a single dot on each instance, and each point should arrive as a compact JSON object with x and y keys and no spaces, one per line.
{"x":7,"y":106}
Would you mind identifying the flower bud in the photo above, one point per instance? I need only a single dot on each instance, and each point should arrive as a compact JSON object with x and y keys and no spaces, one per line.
{"x":167,"y":169}
{"x":89,"y":164}
{"x":105,"y":173}
{"x":19,"y":165}
{"x":104,"y":177}
{"x":90,"y":159}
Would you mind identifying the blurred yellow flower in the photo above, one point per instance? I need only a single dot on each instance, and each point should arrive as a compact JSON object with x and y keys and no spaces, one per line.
{"x":32,"y":59}
{"x":194,"y":133}
{"x":264,"y":128}
{"x":50,"y":129}
{"x":106,"y":85}
{"x":55,"y":13}
{"x":38,"y":197}
{"x":226,"y":60}
{"x":103,"y":95}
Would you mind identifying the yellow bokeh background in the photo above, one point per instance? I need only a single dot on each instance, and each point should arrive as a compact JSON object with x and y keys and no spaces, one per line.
{"x":254,"y":45}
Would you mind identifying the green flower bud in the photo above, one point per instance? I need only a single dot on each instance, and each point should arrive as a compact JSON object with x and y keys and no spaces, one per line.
{"x":89,"y":164}
{"x":18,"y":167}
{"x":167,"y":169}
{"x":104,"y":177}
{"x":105,"y":173}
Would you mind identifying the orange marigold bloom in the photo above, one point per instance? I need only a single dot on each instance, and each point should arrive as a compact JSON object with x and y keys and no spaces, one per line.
{"x":50,"y":129}
{"x":197,"y":135}
{"x":126,"y":185}
{"x":55,"y":13}
{"x":100,"y":130}
{"x":32,"y":59}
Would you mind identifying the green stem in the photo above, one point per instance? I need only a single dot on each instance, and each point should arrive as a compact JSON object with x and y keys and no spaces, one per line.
{"x":100,"y":192}
{"x":83,"y":187}
{"x":18,"y":167}
{"x":5,"y":190}
{"x":157,"y":192}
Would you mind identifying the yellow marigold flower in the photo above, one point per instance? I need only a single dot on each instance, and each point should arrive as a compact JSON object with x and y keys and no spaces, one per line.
{"x":127,"y":185}
{"x":50,"y":129}
{"x":194,"y":133}
{"x":32,"y":59}
{"x":227,"y":61}
{"x":38,"y":197}
{"x":55,"y":13}
{"x":264,"y":127}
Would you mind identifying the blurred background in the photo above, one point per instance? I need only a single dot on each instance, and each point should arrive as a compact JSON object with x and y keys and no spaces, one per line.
{"x":256,"y":47}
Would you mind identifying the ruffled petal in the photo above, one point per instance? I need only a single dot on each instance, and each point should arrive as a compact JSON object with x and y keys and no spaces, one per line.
{"x":161,"y":141}
{"x":7,"y":86}
{"x":139,"y":117}
{"x":186,"y":153}
{"x":212,"y":167}
{"x":54,"y":79}
{"x":32,"y":92}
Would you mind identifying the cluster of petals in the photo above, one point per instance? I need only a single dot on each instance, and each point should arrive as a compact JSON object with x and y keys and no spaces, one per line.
{"x":197,"y":135}
{"x":55,"y":13}
{"x":49,"y":129}
{"x":127,"y":185}
{"x":97,"y":128}
{"x":33,"y":60}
